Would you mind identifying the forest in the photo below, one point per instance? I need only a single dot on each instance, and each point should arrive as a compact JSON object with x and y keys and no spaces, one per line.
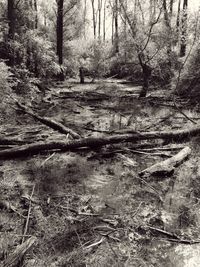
{"x":99,"y":133}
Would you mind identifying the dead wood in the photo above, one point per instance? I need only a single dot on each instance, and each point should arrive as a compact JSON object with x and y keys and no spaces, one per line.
{"x":167,"y":167}
{"x":49,"y":122}
{"x":94,"y":142}
{"x":18,"y":254}
{"x":11,"y":142}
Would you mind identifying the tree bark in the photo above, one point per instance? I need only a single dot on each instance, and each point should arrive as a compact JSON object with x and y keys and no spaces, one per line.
{"x":36,"y":14}
{"x":167,"y":19}
{"x":59,"y":34}
{"x":11,"y":19}
{"x":94,"y":142}
{"x":85,"y":14}
{"x":167,"y":167}
{"x":146,"y":72}
{"x":99,"y":11}
{"x":184,"y":29}
{"x":81,"y":74}
{"x":93,"y":18}
{"x":116,"y":27}
{"x":104,"y":21}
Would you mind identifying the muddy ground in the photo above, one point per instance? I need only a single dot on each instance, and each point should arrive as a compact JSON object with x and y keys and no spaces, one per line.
{"x":91,"y":208}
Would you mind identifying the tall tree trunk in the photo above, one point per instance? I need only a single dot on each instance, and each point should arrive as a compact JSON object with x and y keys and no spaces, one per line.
{"x":59,"y":33}
{"x":93,"y":18}
{"x":99,"y":11}
{"x":167,"y":19}
{"x":113,"y":19}
{"x":36,"y":14}
{"x":11,"y":19}
{"x":146,"y":73}
{"x":178,"y":17}
{"x":184,"y":29}
{"x":116,"y":27}
{"x":125,"y":32}
{"x":11,"y":28}
{"x":104,"y":21}
{"x":85,"y":14}
{"x":171,"y":7}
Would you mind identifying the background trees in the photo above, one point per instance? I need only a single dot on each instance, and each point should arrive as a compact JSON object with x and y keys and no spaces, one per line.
{"x":144,"y":41}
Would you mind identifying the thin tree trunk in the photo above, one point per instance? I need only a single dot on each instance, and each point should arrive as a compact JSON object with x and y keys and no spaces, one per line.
{"x":167,"y":19}
{"x":184,"y":29}
{"x":104,"y":22}
{"x":36,"y":14}
{"x":171,"y":7}
{"x":11,"y":19}
{"x":93,"y":18}
{"x":146,"y":73}
{"x":59,"y":31}
{"x":11,"y":27}
{"x":99,"y":11}
{"x":116,"y":27}
{"x":178,"y":16}
{"x":85,"y":14}
{"x":113,"y":19}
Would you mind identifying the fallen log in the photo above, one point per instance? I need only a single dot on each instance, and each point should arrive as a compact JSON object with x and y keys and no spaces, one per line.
{"x":167,"y":167}
{"x":94,"y":142}
{"x":11,"y":142}
{"x":49,"y":122}
{"x":19,"y":253}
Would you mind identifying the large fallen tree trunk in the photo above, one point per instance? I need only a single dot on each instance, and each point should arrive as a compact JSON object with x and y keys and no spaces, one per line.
{"x":167,"y":167}
{"x":49,"y":122}
{"x":18,"y":254}
{"x":93,"y":142}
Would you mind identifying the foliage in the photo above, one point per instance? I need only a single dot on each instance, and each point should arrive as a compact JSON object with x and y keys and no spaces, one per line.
{"x":6,"y":81}
{"x":190,"y":77}
{"x":94,"y":56}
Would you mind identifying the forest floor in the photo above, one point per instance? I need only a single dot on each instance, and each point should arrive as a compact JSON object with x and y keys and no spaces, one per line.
{"x":91,"y":207}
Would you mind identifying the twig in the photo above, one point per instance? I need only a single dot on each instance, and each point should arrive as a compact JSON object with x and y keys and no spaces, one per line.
{"x":171,"y":235}
{"x":96,"y":243}
{"x":28,"y":216}
{"x":136,"y":211}
{"x":181,"y":241}
{"x":51,"y":156}
{"x":150,"y":154}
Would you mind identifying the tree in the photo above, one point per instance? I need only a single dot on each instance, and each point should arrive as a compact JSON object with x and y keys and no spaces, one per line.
{"x":167,"y":20}
{"x":116,"y":41}
{"x":142,"y":37}
{"x":184,"y":29}
{"x":99,"y":22}
{"x":104,"y":21}
{"x":94,"y":20}
{"x":11,"y":19}
{"x":59,"y":34}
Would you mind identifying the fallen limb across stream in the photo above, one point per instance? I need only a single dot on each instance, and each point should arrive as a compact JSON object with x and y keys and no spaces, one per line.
{"x":167,"y":166}
{"x":94,"y":142}
{"x":49,"y":122}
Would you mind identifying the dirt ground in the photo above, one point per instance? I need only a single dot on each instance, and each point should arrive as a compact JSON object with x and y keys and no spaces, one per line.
{"x":90,"y":207}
